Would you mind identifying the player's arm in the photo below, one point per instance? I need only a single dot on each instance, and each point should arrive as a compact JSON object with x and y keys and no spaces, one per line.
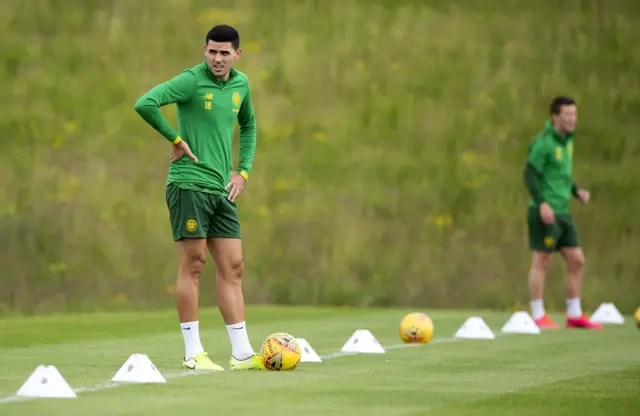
{"x":179,"y":89}
{"x":538,"y":154}
{"x":247,"y":139}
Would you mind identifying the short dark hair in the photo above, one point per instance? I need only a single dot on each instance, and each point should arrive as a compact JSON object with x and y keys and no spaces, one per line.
{"x":559,"y":102}
{"x":224,"y":33}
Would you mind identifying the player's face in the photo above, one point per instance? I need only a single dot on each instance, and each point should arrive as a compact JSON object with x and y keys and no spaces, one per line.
{"x":220,"y":57}
{"x":566,"y":120}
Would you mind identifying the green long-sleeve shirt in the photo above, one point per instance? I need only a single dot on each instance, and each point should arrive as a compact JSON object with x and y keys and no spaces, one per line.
{"x":548,"y":172}
{"x":207,"y":111}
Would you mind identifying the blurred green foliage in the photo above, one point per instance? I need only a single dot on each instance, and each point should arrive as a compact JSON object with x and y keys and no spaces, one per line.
{"x":392,"y":136}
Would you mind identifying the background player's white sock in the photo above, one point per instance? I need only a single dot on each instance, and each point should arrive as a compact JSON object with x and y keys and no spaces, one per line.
{"x":537,"y":308}
{"x":191,"y":335}
{"x":240,"y":346}
{"x":574,"y":310}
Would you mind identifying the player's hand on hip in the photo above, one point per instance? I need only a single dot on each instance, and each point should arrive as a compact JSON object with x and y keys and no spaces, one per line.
{"x":235,"y":186}
{"x":584,"y":196}
{"x":181,"y":149}
{"x":546,"y":213}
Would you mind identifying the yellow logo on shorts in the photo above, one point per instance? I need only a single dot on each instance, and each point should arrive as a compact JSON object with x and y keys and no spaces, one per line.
{"x":192,"y":225}
{"x":548,"y":241}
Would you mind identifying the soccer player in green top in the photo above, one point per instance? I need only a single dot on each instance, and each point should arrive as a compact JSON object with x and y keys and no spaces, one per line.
{"x":548,"y":178}
{"x":202,"y":187}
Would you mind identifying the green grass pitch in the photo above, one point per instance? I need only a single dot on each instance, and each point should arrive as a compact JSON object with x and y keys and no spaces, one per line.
{"x":561,"y":372}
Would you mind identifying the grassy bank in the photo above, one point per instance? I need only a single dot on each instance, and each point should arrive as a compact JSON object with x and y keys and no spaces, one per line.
{"x":392,"y":136}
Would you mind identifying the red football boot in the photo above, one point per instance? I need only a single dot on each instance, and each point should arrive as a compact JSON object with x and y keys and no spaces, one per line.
{"x":582,"y":322}
{"x":546,"y":323}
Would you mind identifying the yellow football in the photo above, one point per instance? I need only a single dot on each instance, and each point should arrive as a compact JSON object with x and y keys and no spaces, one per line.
{"x":637,"y":316}
{"x":280,"y":352}
{"x":416,"y":327}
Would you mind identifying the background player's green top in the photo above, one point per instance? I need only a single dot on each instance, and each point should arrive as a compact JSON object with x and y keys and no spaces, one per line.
{"x":550,"y":180}
{"x":207,"y":113}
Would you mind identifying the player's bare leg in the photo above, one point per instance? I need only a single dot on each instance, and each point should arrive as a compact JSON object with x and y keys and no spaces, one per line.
{"x":574,"y":260}
{"x":227,"y":254}
{"x":192,"y":253}
{"x":193,"y":257}
{"x":540,"y":263}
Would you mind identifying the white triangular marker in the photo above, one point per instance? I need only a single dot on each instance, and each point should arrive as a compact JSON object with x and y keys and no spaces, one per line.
{"x":138,"y":369}
{"x":521,"y":323}
{"x":309,"y":355}
{"x":362,"y":341}
{"x":474,"y":328}
{"x":46,"y":381}
{"x":607,"y":313}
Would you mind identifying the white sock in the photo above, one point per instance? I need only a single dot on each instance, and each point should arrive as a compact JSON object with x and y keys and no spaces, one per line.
{"x":537,"y":308}
{"x":574,"y":310}
{"x":240,"y":346}
{"x":191,"y":335}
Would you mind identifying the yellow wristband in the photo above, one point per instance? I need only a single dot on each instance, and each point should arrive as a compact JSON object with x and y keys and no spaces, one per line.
{"x":244,"y":174}
{"x":177,"y":140}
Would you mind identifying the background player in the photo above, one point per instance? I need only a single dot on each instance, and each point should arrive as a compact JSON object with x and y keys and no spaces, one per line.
{"x":201,"y":187}
{"x":548,"y":178}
